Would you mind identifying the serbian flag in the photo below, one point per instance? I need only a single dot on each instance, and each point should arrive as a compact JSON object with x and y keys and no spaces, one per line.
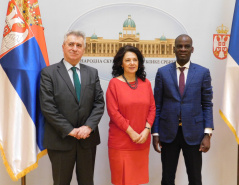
{"x":22,"y":56}
{"x":230,"y":102}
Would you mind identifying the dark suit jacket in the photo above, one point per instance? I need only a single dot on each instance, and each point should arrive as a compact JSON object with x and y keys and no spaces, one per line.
{"x":195,"y":105}
{"x":63,"y":112}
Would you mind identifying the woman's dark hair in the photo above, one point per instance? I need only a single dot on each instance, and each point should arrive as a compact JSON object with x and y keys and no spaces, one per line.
{"x":118,"y":59}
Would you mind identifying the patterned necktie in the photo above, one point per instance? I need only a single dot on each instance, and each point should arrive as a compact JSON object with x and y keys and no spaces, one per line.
{"x":76,"y":82}
{"x":181,"y":81}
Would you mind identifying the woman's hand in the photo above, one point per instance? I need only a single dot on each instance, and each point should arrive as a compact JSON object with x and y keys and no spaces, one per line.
{"x":135,"y":137}
{"x":144,"y":136}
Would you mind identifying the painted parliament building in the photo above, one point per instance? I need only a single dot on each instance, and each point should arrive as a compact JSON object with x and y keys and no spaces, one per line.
{"x":157,"y":48}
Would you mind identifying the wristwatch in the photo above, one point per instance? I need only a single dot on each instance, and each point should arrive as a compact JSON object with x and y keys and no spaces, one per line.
{"x":209,"y":134}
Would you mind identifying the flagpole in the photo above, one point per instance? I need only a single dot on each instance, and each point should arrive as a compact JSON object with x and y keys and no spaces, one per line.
{"x":237,"y":164}
{"x":23,"y":180}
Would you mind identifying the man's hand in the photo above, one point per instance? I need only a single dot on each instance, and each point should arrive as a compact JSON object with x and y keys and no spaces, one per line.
{"x":73,"y":133}
{"x":205,"y":144}
{"x":157,"y":144}
{"x":83,"y":132}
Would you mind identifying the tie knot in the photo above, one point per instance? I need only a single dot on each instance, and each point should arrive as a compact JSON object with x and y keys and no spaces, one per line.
{"x":182,"y":68}
{"x":73,"y":69}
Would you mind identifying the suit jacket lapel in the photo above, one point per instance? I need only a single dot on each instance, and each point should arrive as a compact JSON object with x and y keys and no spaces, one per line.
{"x":65,"y":76}
{"x":191,"y":73}
{"x":173,"y":72}
{"x":83,"y":74}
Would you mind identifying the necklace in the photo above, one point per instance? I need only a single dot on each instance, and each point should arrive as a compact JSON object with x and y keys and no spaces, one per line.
{"x":133,"y":85}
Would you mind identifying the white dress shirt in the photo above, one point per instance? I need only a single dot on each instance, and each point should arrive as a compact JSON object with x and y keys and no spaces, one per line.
{"x":185,"y":71}
{"x":70,"y":72}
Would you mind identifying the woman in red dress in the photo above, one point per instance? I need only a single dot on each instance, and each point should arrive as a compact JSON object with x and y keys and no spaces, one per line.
{"x":131,"y":108}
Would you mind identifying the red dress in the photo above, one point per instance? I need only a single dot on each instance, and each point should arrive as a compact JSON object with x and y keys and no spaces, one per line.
{"x":126,"y":107}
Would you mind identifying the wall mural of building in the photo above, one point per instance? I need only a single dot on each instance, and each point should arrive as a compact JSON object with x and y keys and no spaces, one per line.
{"x":157,"y":48}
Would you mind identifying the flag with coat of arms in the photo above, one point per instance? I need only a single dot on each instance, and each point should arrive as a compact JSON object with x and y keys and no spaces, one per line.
{"x":230,"y":102}
{"x":22,"y":56}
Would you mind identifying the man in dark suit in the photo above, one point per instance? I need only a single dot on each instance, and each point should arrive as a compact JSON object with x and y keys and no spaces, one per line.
{"x":72,"y":103}
{"x":184,"y":119}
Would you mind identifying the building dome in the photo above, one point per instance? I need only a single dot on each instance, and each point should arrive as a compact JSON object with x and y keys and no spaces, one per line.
{"x":163,"y":37}
{"x":94,"y":36}
{"x":129,"y":22}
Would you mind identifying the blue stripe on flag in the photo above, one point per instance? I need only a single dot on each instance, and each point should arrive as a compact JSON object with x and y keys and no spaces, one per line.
{"x":23,"y":66}
{"x":234,"y":40}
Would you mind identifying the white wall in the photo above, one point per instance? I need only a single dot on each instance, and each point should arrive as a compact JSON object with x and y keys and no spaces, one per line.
{"x":200,"y":18}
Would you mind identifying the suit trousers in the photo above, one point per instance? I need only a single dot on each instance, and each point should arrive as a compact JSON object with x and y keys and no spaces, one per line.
{"x":192,"y":157}
{"x":63,"y":163}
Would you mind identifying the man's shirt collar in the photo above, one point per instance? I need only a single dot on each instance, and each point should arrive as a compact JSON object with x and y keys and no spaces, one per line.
{"x":186,"y":65}
{"x":69,"y":66}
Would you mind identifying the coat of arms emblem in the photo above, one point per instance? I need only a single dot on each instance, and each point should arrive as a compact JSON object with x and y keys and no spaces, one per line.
{"x":20,"y":15}
{"x":221,"y":42}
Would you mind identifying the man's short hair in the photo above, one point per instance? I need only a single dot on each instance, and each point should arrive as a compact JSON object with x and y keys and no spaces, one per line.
{"x":76,"y":33}
{"x":183,"y":35}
